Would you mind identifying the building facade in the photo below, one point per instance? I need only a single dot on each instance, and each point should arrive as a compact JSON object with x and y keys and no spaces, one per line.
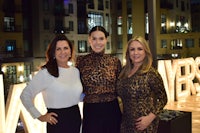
{"x":27,"y":27}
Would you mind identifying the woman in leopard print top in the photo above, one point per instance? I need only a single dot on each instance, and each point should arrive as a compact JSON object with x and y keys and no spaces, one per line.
{"x":141,"y":89}
{"x":99,"y":72}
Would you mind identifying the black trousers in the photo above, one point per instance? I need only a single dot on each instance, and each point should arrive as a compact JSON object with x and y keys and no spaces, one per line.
{"x":101,"y":117}
{"x":69,"y":120}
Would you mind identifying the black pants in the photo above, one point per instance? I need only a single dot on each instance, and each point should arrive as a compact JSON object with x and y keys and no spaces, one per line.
{"x":69,"y":120}
{"x":101,"y":117}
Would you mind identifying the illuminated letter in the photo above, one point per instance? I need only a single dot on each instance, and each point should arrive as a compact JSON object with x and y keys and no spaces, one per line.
{"x":197,"y":69}
{"x":14,"y":109}
{"x":162,"y":71}
{"x":182,"y":79}
{"x":171,"y":73}
{"x":190,"y":72}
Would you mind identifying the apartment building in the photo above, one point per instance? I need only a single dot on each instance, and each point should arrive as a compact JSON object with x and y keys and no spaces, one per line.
{"x":27,"y":27}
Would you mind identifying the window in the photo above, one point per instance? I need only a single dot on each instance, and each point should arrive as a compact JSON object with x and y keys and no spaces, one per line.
{"x":27,"y":72}
{"x":46,"y":24}
{"x":177,"y":3}
{"x":163,"y":24}
{"x":9,"y":24}
{"x":107,"y":4}
{"x":119,"y":46}
{"x":119,"y":25}
{"x":45,"y":5}
{"x":82,"y":46}
{"x":11,"y":74}
{"x":107,"y":22}
{"x":163,"y":43}
{"x":81,"y":27}
{"x":94,"y":19}
{"x":91,"y":4}
{"x":108,"y":46}
{"x":10,"y":45}
{"x":100,"y":5}
{"x":71,"y":26}
{"x":146,"y":23}
{"x":129,"y":25}
{"x":176,"y":44}
{"x":46,"y":43}
{"x":189,"y":43}
{"x":71,"y":8}
{"x":182,"y":6}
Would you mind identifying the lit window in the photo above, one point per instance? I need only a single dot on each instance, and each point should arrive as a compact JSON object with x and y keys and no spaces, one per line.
{"x":82,"y":46}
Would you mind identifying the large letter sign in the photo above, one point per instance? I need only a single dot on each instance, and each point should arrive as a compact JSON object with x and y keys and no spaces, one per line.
{"x":179,"y":75}
{"x":14,"y":109}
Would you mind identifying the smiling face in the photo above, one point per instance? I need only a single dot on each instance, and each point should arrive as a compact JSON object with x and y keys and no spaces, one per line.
{"x":62,"y":53}
{"x":137,"y":53}
{"x":97,"y":41}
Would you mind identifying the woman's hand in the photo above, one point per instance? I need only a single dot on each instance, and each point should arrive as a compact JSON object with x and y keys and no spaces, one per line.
{"x":144,"y":121}
{"x":49,"y":117}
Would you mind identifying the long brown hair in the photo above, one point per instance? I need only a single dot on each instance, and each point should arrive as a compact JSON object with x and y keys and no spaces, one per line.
{"x":51,"y":64}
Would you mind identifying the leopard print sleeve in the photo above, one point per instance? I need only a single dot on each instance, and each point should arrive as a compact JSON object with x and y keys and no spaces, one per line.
{"x":158,"y":90}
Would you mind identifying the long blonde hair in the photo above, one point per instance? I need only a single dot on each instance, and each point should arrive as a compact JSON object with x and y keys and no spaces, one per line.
{"x":147,"y":60}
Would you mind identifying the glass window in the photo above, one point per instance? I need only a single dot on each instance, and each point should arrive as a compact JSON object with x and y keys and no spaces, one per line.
{"x":107,"y":4}
{"x":176,"y":44}
{"x":177,"y":3}
{"x":119,"y":25}
{"x":189,"y":43}
{"x":163,"y":24}
{"x":46,"y":43}
{"x":71,"y":26}
{"x":11,"y":74}
{"x":46,"y":24}
{"x":10,"y":45}
{"x":146,"y":23}
{"x":91,"y":4}
{"x":9,"y":24}
{"x":163,"y":43}
{"x":119,"y":46}
{"x":27,"y":72}
{"x":129,"y":25}
{"x":71,"y":8}
{"x":94,"y":19}
{"x":100,"y":5}
{"x":107,"y":23}
{"x":82,"y":46}
{"x":45,"y":5}
{"x":182,"y":6}
{"x":81,"y":27}
{"x":108,"y":46}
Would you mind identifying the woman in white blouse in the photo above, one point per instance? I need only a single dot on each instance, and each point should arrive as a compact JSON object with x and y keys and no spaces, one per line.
{"x":61,"y":89}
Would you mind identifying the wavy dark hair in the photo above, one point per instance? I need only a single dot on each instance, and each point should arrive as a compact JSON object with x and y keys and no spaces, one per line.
{"x":51,"y":64}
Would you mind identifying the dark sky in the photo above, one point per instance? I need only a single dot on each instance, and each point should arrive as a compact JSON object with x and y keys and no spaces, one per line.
{"x":195,"y":1}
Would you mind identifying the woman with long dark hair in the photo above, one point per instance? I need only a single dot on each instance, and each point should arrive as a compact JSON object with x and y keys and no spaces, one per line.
{"x":61,"y":88}
{"x":99,"y":72}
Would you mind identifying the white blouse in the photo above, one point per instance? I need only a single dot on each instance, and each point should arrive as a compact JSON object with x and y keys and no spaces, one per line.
{"x":61,"y":92}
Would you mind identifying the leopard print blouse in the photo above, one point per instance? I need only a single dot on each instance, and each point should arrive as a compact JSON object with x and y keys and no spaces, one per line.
{"x":99,"y":74}
{"x":141,"y":94}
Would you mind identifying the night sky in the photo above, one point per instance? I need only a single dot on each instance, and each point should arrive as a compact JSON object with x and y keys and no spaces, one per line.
{"x":195,"y":1}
